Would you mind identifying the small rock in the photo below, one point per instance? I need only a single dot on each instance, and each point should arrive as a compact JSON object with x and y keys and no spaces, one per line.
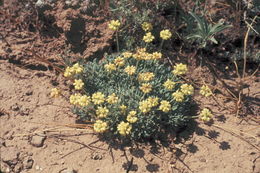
{"x":40,"y":3}
{"x":203,"y":160}
{"x":69,"y":170}
{"x":38,"y":168}
{"x":37,"y":140}
{"x":10,"y":155}
{"x":28,"y":93}
{"x":18,"y":167}
{"x":25,"y":111}
{"x":28,"y":163}
{"x":15,"y":107}
{"x":96,"y":156}
{"x":2,"y":142}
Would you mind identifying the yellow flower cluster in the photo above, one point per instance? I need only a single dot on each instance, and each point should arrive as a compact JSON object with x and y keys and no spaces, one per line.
{"x":206,"y":115}
{"x":146,"y":26}
{"x":55,"y":92}
{"x":146,"y":105}
{"x":112,"y":99}
{"x":124,"y":128}
{"x":165,"y":106}
{"x":153,"y":101}
{"x":187,"y":89}
{"x":141,"y":54}
{"x":178,"y":96}
{"x":75,"y":69}
{"x":169,"y":84}
{"x":84,"y":100}
{"x":165,"y":34}
{"x":119,"y":61}
{"x":123,"y":108}
{"x":205,"y":91}
{"x":114,"y":25}
{"x":146,"y":88}
{"x":146,"y":76}
{"x":131,"y":117}
{"x":148,"y":37}
{"x":102,"y":112}
{"x":78,"y":84}
{"x":98,"y":98}
{"x":100,"y":126}
{"x":81,"y":100}
{"x":110,"y":67}
{"x":156,"y":55}
{"x":180,"y":69}
{"x":127,"y":54}
{"x":130,"y":70}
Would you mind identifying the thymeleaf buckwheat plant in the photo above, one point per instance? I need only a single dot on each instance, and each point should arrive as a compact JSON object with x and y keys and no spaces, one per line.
{"x":131,"y":95}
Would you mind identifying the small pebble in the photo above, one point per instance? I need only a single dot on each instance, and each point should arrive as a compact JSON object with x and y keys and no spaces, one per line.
{"x":37,"y":141}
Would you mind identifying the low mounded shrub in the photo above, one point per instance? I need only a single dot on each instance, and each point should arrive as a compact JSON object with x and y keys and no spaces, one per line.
{"x":131,"y":95}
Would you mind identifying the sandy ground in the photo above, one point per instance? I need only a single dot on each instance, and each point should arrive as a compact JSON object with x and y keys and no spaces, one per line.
{"x":34,"y":137}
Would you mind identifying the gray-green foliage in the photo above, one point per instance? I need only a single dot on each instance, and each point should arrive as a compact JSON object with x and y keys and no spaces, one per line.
{"x":149,"y":125}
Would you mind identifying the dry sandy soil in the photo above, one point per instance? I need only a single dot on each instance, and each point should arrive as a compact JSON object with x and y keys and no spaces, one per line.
{"x":35,"y":138}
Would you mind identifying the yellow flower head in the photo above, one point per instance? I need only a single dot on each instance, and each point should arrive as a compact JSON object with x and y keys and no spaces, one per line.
{"x":114,"y":25}
{"x":146,"y":26}
{"x":77,"y":68}
{"x":130,"y":70}
{"x":124,"y":128}
{"x":165,"y":106}
{"x":78,"y":84}
{"x":112,"y":99}
{"x":100,"y":126}
{"x":131,"y":117}
{"x":119,"y":61}
{"x":68,"y":72}
{"x":102,"y":112}
{"x":84,"y":100}
{"x":98,"y":98}
{"x":145,"y":106}
{"x":206,"y":115}
{"x":205,"y":91}
{"x":148,"y":37}
{"x":169,"y":84}
{"x":55,"y":92}
{"x":180,"y":69}
{"x":147,"y":76}
{"x":146,"y":87}
{"x":153,"y":101}
{"x":127,"y":54}
{"x":178,"y":96}
{"x":123,"y":108}
{"x":187,"y":89}
{"x":74,"y":99}
{"x":165,"y":34}
{"x":140,"y":54}
{"x":110,"y":67}
{"x":157,"y":55}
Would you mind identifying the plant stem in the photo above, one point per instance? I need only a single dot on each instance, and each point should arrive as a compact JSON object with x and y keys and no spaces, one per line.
{"x":117,"y":41}
{"x":161,"y":45}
